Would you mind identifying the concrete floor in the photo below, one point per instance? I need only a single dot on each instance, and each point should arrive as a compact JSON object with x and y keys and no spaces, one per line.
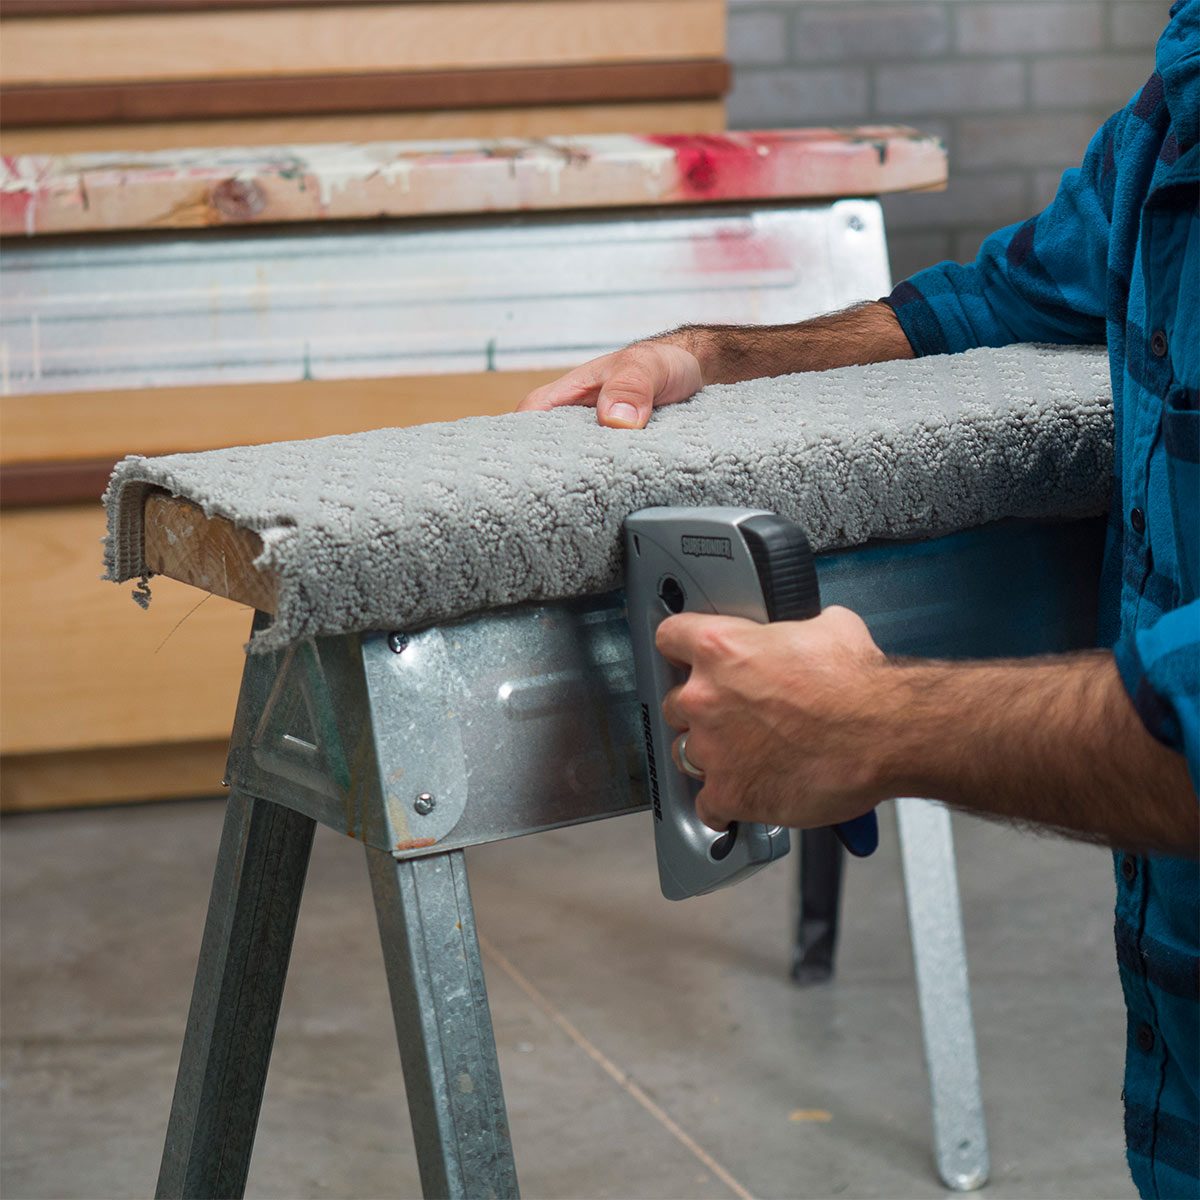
{"x":102,"y":913}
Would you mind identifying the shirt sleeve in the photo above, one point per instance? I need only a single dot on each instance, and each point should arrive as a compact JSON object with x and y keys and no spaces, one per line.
{"x":1160,"y":667}
{"x":1041,"y":281}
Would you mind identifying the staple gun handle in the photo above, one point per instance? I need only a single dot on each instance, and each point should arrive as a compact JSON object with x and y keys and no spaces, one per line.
{"x":787,"y":575}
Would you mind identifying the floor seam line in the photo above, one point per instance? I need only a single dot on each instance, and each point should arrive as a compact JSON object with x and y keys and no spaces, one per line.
{"x":614,"y":1072}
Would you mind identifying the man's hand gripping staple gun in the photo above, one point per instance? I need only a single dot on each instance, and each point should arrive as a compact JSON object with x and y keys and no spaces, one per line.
{"x":736,"y":562}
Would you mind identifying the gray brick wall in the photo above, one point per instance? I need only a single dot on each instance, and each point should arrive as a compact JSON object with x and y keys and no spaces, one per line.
{"x":1015,"y":88}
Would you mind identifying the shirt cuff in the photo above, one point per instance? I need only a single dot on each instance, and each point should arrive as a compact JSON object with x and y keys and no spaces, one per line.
{"x":916,"y":316}
{"x":1160,"y":669}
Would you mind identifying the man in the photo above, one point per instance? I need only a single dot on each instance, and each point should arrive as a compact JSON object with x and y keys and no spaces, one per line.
{"x":1103,"y":745}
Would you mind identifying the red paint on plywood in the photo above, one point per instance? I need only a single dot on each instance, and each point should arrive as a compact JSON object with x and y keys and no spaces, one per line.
{"x":714,"y":167}
{"x":77,"y":193}
{"x":17,"y":211}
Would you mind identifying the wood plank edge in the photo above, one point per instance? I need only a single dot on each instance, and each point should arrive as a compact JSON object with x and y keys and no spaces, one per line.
{"x":212,"y":553}
{"x":73,"y":778}
{"x":30,"y":485}
{"x":107,"y":425}
{"x":88,"y":8}
{"x":27,"y":106}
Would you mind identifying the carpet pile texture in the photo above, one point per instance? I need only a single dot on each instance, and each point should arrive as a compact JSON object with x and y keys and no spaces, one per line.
{"x":403,"y":528}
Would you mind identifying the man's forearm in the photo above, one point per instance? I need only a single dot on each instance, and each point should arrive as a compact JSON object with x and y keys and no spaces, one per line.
{"x":1053,"y":741}
{"x":866,"y":333}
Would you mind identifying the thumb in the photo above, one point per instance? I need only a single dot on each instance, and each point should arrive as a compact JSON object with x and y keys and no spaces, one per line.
{"x":626,"y":400}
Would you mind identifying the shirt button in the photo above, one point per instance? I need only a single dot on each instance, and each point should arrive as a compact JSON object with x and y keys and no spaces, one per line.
{"x":1158,"y":343}
{"x":1145,"y":1038}
{"x":1129,"y":868}
{"x":1137,"y":519}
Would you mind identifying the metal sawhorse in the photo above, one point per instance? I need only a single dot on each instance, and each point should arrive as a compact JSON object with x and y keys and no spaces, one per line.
{"x":514,"y":722}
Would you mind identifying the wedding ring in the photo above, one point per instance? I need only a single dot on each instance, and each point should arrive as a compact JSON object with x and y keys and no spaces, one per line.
{"x":686,"y":765}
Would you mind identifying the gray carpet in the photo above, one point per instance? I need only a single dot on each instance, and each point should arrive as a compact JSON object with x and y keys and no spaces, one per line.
{"x":401,"y":528}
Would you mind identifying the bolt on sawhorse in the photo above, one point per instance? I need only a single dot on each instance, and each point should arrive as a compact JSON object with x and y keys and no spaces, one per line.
{"x":514,"y":722}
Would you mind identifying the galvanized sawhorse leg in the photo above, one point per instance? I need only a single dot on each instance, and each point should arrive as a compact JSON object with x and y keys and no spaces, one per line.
{"x":939,"y":960}
{"x":435,"y":978}
{"x":939,"y":950}
{"x":261,"y":865}
{"x":529,"y":712}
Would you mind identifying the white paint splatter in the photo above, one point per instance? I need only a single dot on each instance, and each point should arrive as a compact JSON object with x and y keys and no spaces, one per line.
{"x":25,"y":174}
{"x":22,"y":174}
{"x":334,"y":167}
{"x":549,"y":164}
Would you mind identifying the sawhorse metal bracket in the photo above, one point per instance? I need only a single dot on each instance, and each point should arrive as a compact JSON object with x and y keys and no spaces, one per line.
{"x":514,"y":722}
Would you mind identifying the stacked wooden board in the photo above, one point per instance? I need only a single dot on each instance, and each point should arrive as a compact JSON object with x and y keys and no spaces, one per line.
{"x":226,"y":298}
{"x":148,"y":74}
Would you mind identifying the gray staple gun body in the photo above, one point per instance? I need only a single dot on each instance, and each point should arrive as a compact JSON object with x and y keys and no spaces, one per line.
{"x":736,"y":562}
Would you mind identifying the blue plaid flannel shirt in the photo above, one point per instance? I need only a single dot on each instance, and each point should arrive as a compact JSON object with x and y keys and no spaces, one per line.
{"x":1115,"y":258}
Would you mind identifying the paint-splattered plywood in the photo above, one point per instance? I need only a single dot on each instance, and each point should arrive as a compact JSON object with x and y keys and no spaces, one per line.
{"x":180,"y":189}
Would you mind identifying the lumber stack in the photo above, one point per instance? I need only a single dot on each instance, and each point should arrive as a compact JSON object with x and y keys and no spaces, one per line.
{"x":171,"y":318}
{"x":149,"y":74}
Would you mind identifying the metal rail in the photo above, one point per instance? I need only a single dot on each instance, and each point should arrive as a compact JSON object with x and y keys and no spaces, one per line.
{"x":359,"y":300}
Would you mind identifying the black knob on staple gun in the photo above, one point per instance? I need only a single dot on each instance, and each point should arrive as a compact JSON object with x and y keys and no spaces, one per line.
{"x":736,"y":562}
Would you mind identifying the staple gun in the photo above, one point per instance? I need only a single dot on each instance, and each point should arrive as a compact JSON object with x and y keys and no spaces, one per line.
{"x":737,"y":562}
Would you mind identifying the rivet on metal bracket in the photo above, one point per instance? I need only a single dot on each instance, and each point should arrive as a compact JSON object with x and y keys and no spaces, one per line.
{"x":417,"y":711}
